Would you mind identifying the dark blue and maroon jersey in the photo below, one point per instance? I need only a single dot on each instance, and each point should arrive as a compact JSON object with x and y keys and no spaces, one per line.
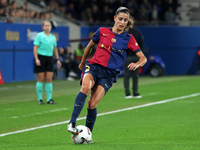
{"x":111,"y":51}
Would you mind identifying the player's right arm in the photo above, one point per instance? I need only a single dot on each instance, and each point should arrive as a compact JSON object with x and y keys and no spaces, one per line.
{"x":86,"y":54}
{"x":37,"y":61}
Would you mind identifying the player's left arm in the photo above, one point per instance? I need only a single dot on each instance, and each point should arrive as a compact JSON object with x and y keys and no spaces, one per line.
{"x":142,"y":61}
{"x":55,"y":50}
{"x":133,"y":45}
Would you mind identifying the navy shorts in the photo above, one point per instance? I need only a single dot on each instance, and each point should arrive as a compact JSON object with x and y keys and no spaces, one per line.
{"x":100,"y":75}
{"x":46,"y":62}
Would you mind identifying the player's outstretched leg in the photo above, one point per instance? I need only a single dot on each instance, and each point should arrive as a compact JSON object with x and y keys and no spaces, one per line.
{"x":78,"y":106}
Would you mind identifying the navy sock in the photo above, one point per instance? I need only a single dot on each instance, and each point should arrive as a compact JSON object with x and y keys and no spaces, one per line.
{"x":91,"y":118}
{"x":78,"y":106}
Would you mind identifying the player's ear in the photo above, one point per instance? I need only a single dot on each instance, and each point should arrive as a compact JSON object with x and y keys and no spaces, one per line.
{"x":114,"y":18}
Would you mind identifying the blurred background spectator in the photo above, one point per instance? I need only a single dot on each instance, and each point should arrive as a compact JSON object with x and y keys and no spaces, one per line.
{"x":78,"y":53}
{"x":92,"y":11}
{"x":170,"y":16}
{"x":69,"y":64}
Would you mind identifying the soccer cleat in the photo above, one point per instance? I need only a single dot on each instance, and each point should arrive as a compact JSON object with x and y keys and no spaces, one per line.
{"x":72,"y":128}
{"x":51,"y":102}
{"x":137,"y":95}
{"x":128,"y":96}
{"x":41,"y":102}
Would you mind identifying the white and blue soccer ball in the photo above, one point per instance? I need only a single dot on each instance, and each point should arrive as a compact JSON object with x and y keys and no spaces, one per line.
{"x":83,"y":136}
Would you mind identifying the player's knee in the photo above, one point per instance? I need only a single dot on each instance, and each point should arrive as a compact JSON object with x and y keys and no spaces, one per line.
{"x":85,"y":89}
{"x":92,"y":105}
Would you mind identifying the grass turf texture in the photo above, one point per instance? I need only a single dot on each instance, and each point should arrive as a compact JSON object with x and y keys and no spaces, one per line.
{"x":173,"y":125}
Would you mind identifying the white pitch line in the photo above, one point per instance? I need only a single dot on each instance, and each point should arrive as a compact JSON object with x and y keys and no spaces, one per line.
{"x":39,"y":113}
{"x":102,"y":114}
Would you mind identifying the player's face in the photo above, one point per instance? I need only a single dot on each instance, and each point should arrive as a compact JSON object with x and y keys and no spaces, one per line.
{"x":46,"y":27}
{"x":121,"y":21}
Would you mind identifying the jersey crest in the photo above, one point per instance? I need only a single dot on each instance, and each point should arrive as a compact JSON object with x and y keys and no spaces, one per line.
{"x":113,"y":40}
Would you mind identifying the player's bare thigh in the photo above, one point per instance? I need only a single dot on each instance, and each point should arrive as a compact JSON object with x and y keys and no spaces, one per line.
{"x":87,"y":83}
{"x":97,"y":94}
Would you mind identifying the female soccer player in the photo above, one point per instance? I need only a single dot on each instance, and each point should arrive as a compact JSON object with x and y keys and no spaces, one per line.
{"x":44,"y":46}
{"x":100,"y":71}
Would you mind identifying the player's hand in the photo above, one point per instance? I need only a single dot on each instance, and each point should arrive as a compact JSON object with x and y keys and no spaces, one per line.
{"x":81,"y":65}
{"x":132,"y":66}
{"x":59,"y":64}
{"x":38,"y":62}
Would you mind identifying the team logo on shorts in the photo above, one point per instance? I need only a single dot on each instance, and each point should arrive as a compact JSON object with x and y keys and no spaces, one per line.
{"x":87,"y":68}
{"x":113,"y":40}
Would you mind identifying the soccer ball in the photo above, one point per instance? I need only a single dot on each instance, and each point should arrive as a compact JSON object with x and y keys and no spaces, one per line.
{"x":83,"y":136}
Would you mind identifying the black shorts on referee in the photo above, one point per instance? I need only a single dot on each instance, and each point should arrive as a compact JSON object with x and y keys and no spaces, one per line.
{"x":47,"y":63}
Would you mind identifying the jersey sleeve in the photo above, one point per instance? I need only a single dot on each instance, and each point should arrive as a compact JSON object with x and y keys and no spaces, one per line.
{"x":133,"y":45}
{"x":96,"y":36}
{"x":37,"y":40}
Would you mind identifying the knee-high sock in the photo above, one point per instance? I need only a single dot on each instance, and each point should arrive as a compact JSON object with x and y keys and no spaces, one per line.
{"x":78,"y":106}
{"x":39,"y":90}
{"x":49,"y":89}
{"x":91,"y":118}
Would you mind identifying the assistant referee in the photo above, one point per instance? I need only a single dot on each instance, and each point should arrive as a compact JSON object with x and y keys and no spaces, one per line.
{"x":44,"y":47}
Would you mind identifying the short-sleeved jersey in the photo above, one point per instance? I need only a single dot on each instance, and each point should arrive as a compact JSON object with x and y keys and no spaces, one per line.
{"x":111,"y":51}
{"x":45,"y":44}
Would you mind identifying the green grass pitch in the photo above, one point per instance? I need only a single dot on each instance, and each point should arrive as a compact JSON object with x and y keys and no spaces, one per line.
{"x":167,"y":117}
